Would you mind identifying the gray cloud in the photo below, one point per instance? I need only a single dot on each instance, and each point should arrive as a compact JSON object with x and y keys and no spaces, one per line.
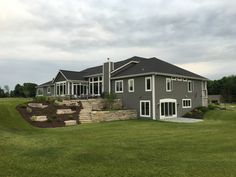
{"x":70,"y":30}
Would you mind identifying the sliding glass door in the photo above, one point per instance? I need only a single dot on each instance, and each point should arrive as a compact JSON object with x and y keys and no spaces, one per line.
{"x":168,"y":108}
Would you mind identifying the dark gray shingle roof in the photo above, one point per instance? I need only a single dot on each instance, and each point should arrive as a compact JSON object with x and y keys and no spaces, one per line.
{"x":49,"y":83}
{"x":144,"y":65}
{"x":73,"y":75}
{"x":156,"y":65}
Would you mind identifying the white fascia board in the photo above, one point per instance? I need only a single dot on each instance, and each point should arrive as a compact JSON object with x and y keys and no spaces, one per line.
{"x":94,"y":75}
{"x":124,"y":66}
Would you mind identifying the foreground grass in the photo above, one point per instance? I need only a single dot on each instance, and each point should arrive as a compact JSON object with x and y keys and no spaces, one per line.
{"x":121,"y":148}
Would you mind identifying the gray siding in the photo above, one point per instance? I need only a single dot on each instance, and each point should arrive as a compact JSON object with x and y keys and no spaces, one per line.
{"x":179,"y":92}
{"x":59,"y":78}
{"x":131,"y":100}
{"x":45,"y":93}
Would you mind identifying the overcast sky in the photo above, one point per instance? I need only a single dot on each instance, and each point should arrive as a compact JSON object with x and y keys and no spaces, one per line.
{"x":39,"y":37}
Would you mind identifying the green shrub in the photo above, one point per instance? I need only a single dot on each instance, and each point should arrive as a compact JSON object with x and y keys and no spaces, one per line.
{"x":188,"y":114}
{"x":23,"y":106}
{"x":59,"y":99}
{"x":29,"y":110}
{"x":109,"y":100}
{"x":40,"y":99}
{"x":50,"y":100}
{"x":212,"y":107}
{"x":203,"y":109}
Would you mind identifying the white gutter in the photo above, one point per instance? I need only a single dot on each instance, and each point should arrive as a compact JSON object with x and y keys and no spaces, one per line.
{"x":161,"y":74}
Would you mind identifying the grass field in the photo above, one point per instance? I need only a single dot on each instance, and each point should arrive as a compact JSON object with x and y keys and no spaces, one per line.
{"x":122,"y":148}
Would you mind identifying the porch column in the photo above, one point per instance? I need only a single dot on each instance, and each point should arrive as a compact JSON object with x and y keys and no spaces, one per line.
{"x":68,"y":88}
{"x":72,"y":89}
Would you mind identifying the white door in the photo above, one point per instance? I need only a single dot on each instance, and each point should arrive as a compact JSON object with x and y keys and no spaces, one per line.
{"x":168,"y":108}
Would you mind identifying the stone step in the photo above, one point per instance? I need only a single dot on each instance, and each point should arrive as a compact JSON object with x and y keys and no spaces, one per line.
{"x":39,"y":118}
{"x":85,"y":121}
{"x":65,"y":111}
{"x":70,"y":122}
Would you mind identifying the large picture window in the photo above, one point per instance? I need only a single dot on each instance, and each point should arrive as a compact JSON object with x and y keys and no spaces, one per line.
{"x":119,"y":86}
{"x":95,"y":86}
{"x":61,"y":89}
{"x":131,"y":85}
{"x":145,"y":108}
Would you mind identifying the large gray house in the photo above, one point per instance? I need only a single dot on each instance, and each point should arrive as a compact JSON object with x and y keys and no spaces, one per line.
{"x":155,"y":88}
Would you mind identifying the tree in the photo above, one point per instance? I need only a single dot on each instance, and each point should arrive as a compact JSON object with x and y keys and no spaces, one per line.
{"x":18,"y":91}
{"x":225,"y":87}
{"x":6,"y":90}
{"x":2,"y":94}
{"x":29,"y":89}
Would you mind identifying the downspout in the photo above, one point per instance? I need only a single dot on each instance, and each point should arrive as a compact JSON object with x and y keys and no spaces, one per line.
{"x":109,"y":77}
{"x":153,"y":98}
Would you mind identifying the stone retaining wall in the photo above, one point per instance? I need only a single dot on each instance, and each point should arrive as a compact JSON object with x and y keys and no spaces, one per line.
{"x":100,"y":116}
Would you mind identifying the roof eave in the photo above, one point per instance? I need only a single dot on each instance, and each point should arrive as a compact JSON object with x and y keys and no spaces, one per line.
{"x":162,"y":74}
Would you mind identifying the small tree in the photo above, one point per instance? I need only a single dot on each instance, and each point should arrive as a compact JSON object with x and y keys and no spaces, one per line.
{"x":18,"y":92}
{"x":2,"y":94}
{"x":109,"y":100}
{"x":7,"y":90}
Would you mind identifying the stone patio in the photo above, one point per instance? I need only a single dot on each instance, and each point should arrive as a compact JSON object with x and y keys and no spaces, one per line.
{"x":181,"y":120}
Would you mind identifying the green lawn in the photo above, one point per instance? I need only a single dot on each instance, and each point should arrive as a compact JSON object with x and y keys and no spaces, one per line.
{"x":122,"y":148}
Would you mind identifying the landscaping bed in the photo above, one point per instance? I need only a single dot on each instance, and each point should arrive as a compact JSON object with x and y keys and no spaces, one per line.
{"x":50,"y":111}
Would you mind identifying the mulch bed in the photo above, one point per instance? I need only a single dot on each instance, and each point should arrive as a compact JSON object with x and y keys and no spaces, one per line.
{"x":50,"y":112}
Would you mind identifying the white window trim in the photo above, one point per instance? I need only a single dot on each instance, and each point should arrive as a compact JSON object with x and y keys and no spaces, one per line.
{"x":191,"y":87}
{"x":186,"y":106}
{"x":122,"y":84}
{"x":147,"y":78}
{"x":61,"y":83}
{"x":48,"y":91}
{"x":140,"y":108}
{"x":92,"y":82}
{"x":169,"y":100}
{"x":129,"y":81}
{"x":171,"y":84}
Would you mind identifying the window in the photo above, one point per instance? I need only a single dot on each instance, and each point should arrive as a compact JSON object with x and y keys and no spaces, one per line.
{"x":190,"y":86}
{"x":49,"y":89}
{"x":61,"y":88}
{"x":147,"y":84}
{"x":169,"y":85}
{"x":119,"y":86}
{"x":145,"y":108}
{"x":40,"y":92}
{"x":186,"y":103}
{"x":95,"y":86}
{"x":131,"y":85}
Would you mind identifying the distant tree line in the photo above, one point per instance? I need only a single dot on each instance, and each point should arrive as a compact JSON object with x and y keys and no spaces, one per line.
{"x":225,"y":87}
{"x":25,"y":90}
